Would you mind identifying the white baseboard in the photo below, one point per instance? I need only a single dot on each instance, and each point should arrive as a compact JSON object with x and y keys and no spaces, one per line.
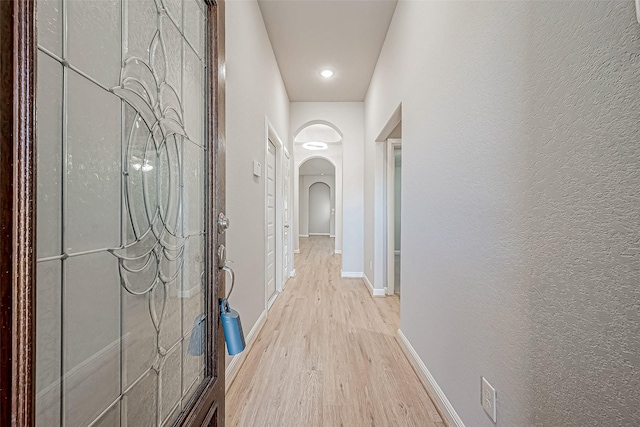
{"x":273,"y":298}
{"x":351,"y":274}
{"x":443,"y":405}
{"x":338,"y":252}
{"x":296,"y":251}
{"x":318,"y":234}
{"x":303,"y":235}
{"x":236,"y":362}
{"x":332,"y":236}
{"x":292,"y":273}
{"x":374,"y":292}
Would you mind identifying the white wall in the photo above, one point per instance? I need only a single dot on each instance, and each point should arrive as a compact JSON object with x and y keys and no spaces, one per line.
{"x":521,"y":219}
{"x":254,"y":91}
{"x":306,"y":181}
{"x":348,"y":118}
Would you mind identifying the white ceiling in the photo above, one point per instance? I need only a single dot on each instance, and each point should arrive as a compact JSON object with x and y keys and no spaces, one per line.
{"x":317,"y":167}
{"x":343,"y":35}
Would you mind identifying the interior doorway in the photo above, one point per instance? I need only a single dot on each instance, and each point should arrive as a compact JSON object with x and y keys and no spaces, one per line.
{"x":317,"y":198}
{"x":393,"y":175}
{"x":320,"y":209}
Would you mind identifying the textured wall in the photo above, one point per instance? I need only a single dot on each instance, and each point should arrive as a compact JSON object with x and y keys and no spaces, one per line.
{"x":521,"y":206}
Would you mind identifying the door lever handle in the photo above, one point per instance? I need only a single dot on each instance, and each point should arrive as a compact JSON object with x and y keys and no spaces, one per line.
{"x":233,"y":279}
{"x":286,"y":226}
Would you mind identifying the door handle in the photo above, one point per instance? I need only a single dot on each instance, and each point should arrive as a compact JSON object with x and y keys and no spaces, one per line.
{"x":233,"y":278}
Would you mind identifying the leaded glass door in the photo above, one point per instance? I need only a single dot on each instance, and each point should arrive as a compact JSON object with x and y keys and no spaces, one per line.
{"x":129,"y":160}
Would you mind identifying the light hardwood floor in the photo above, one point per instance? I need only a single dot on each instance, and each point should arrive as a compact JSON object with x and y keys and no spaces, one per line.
{"x":327,"y":356}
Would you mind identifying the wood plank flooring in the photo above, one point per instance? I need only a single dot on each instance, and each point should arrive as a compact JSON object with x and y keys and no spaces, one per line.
{"x":327,"y":356}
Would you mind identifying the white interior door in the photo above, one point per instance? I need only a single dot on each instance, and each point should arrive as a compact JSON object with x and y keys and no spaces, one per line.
{"x":285,"y":210}
{"x":271,"y":222}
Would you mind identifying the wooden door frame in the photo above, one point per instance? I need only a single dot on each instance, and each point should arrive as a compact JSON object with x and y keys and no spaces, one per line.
{"x":392,"y":144}
{"x":18,"y":224}
{"x":17,"y":189}
{"x":209,"y":409}
{"x":272,"y":137}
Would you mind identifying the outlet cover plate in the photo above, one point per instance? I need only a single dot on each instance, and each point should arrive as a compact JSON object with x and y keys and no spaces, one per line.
{"x":488,"y":398}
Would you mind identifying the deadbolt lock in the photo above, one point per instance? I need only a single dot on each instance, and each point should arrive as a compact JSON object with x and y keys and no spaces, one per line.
{"x":223,"y":223}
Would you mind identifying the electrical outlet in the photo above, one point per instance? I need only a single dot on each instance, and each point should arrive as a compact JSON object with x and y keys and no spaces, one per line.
{"x":488,"y":398}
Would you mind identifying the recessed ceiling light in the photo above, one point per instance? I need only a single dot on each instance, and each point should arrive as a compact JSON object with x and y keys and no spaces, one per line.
{"x":315,"y":145}
{"x":327,"y":73}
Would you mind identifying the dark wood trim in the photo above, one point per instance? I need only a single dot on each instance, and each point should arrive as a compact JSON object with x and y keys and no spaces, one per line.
{"x":24,"y":209}
{"x":17,"y":264}
{"x":208,"y":408}
{"x":6,"y":215}
{"x":17,"y":189}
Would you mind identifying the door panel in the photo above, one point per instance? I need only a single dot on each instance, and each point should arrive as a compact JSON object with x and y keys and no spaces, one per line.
{"x":285,"y":214}
{"x":130,"y":166}
{"x":271,"y":221}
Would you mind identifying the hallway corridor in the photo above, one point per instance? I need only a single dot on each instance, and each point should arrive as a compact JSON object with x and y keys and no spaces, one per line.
{"x":327,"y":356}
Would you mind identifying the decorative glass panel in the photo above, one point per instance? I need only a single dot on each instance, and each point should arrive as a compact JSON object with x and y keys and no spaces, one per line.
{"x":141,"y":401}
{"x":49,"y":156}
{"x":92,"y":205}
{"x":48,"y":352}
{"x":91,"y":336}
{"x":50,"y":25}
{"x":193,"y":22}
{"x":93,"y":38}
{"x":121,"y":198}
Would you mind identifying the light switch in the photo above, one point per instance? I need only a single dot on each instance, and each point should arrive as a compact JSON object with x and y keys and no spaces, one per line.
{"x":257,"y":168}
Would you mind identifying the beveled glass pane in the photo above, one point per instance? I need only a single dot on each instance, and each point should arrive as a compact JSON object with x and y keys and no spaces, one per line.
{"x":193,"y":99}
{"x":48,"y":325}
{"x":173,"y":416}
{"x":142,"y":18}
{"x":174,"y":8}
{"x":193,"y":284}
{"x":192,"y":364}
{"x":193,"y":189}
{"x":142,"y":402}
{"x":93,"y":167}
{"x":49,"y":129}
{"x":140,"y":339}
{"x":91,"y":336}
{"x":50,"y":25}
{"x":170,"y":381}
{"x":170,"y":333}
{"x":94,"y":32}
{"x":194,"y":25}
{"x":111,"y":418}
{"x":173,"y":57}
